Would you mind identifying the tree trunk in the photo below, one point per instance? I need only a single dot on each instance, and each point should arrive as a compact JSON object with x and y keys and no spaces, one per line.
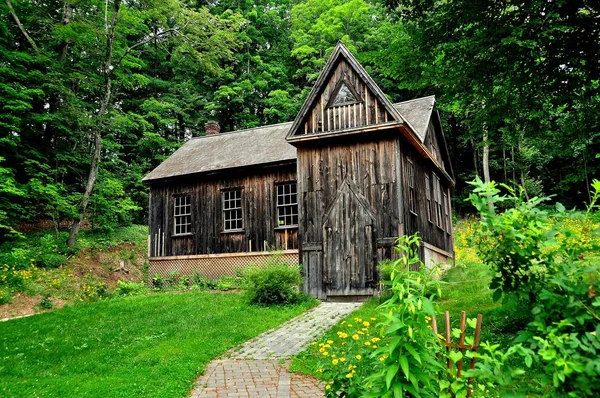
{"x":99,"y":128}
{"x":14,"y":16}
{"x":485,"y":164}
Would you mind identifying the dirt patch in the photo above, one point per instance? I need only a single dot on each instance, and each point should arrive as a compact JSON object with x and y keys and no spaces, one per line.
{"x":23,"y":305}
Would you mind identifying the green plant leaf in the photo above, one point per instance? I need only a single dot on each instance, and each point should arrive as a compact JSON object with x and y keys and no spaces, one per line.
{"x":497,"y":295}
{"x":404,"y":365}
{"x":391,"y":372}
{"x":455,"y":356}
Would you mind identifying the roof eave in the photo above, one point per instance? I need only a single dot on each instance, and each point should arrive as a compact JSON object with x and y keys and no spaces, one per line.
{"x":159,"y":180}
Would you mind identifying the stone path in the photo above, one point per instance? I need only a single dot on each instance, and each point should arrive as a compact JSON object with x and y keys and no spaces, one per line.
{"x":258,"y":368}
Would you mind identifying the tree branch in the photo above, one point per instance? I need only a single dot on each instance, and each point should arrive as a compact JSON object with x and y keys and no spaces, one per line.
{"x":21,"y":27}
{"x":141,"y":43}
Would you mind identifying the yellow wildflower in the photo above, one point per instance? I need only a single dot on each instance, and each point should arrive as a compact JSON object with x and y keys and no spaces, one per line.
{"x":325,"y":353}
{"x":359,"y":357}
{"x":342,"y":359}
{"x":367,"y":324}
{"x":335,"y":361}
{"x":328,"y":387}
{"x":349,"y":375}
{"x":355,"y":336}
{"x":329,"y":341}
{"x":367,"y":343}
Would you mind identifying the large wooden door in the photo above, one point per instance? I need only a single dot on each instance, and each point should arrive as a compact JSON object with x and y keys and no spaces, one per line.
{"x":349,"y":236}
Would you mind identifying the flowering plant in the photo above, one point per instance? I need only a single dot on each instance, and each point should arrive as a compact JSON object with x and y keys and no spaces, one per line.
{"x":346,"y":359}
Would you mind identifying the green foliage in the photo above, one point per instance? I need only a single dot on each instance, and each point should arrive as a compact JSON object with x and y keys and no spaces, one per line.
{"x":514,"y":243}
{"x":550,"y":264}
{"x":125,"y":288}
{"x":565,"y":331}
{"x":46,"y":303}
{"x":409,"y":359}
{"x":275,"y":283}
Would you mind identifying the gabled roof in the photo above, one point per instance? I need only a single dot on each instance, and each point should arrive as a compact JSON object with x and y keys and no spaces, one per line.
{"x":417,"y":114}
{"x":251,"y":147}
{"x":263,"y":145}
{"x":340,"y":52}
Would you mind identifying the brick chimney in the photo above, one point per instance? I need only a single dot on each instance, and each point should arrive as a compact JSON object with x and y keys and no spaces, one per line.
{"x":212,"y":127}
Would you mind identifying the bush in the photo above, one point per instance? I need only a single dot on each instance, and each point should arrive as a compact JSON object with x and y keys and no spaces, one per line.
{"x":274,"y":284}
{"x":131,"y":288}
{"x":546,"y":260}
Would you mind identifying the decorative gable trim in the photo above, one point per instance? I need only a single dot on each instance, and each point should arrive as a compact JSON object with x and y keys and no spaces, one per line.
{"x":318,"y":115}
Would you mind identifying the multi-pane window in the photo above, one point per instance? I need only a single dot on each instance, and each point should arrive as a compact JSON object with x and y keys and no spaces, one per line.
{"x":447,"y":212}
{"x":287,"y":204}
{"x":182,"y":214}
{"x":411,"y":185}
{"x":437,"y":198}
{"x":428,"y":197}
{"x":232,"y":210}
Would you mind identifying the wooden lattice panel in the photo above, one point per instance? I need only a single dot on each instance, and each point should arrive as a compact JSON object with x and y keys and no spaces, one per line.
{"x":214,"y":266}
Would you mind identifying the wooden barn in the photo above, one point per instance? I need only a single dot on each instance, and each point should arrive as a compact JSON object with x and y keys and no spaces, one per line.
{"x":331,"y":191}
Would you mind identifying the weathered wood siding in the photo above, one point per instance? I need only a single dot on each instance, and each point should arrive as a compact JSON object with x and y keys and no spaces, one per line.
{"x":367,"y":111}
{"x":258,"y":207}
{"x":417,"y":221}
{"x":373,"y":168}
{"x":433,"y":143}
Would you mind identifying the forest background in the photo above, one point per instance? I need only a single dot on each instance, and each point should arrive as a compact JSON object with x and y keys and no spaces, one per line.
{"x":95,"y":94}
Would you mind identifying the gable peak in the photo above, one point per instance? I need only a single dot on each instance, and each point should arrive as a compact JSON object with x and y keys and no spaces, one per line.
{"x":343,"y":98}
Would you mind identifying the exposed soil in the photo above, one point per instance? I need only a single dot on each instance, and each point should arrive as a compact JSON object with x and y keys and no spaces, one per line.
{"x":124,"y":262}
{"x":23,"y":305}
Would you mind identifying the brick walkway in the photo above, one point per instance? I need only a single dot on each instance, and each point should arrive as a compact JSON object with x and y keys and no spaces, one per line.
{"x":258,"y":368}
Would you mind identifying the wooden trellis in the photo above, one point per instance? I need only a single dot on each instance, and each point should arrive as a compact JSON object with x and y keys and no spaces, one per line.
{"x":461,"y":346}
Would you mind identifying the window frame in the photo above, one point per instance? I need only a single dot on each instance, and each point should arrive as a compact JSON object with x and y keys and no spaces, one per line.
{"x":282,"y":206}
{"x":410,"y":173}
{"x":186,"y":217}
{"x":437,"y":198}
{"x":227,"y":211}
{"x":447,"y":210}
{"x":428,"y":198}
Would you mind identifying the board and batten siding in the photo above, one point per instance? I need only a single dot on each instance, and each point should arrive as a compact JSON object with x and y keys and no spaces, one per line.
{"x":371,"y":168}
{"x":367,"y":111}
{"x":260,"y":232}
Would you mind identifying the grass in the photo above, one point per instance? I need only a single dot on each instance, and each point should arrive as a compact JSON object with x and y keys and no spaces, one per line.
{"x":154,"y":346}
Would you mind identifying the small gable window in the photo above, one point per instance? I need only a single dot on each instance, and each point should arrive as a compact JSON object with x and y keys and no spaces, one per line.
{"x":232,"y":210}
{"x":287,"y":204}
{"x":343,"y":94}
{"x":182,"y":214}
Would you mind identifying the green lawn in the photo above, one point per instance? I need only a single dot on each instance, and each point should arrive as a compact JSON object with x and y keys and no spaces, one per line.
{"x":153,"y":346}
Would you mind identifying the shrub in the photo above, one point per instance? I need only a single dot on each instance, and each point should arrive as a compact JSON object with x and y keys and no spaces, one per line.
{"x":276,"y":283}
{"x":46,"y":303}
{"x":131,"y":288}
{"x":545,"y":260}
